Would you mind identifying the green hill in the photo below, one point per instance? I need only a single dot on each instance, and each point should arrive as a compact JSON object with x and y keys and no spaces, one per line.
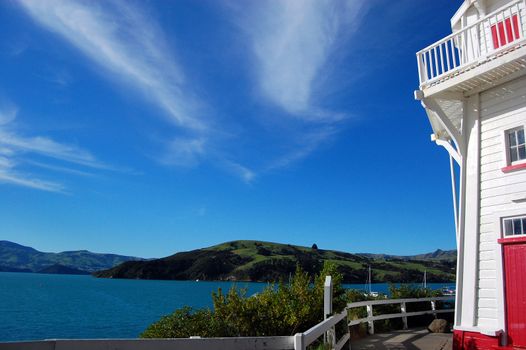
{"x":450,"y":255}
{"x":18,"y":258}
{"x":63,"y":270}
{"x":265,"y":261}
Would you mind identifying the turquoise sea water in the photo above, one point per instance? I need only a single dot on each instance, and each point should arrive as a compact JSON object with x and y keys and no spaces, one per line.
{"x":40,"y":306}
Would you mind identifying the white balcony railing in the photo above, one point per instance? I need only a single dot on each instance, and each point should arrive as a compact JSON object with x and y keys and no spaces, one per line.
{"x":482,"y":41}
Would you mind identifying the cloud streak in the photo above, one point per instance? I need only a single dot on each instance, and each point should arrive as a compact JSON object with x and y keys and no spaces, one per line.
{"x":296,"y":48}
{"x":292,"y":42}
{"x":118,"y":38}
{"x":15,"y":148}
{"x":291,"y":46}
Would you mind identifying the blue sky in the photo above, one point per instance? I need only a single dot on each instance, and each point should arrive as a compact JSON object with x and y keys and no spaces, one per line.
{"x":147,"y":128}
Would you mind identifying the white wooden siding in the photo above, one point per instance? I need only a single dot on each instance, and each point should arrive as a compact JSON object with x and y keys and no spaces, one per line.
{"x":501,"y":108}
{"x":495,"y":4}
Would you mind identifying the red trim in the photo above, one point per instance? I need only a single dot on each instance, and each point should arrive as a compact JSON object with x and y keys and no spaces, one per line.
{"x":514,"y":262}
{"x":505,"y":34}
{"x":512,"y":240}
{"x":511,"y":168}
{"x":463,"y":340}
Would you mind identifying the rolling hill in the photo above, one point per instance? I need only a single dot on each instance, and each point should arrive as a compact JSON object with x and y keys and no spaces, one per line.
{"x":265,"y":261}
{"x":18,"y":258}
{"x":439,"y":254}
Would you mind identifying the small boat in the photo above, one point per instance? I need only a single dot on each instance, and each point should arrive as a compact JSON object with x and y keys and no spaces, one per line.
{"x":447,"y":291}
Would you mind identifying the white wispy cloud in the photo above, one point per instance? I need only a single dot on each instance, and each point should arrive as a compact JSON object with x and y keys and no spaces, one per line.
{"x":292,"y":43}
{"x":117,"y":37}
{"x":296,"y":51}
{"x":245,"y":174}
{"x":185,"y":152}
{"x":17,"y":178}
{"x":47,"y":147}
{"x":307,"y":143}
{"x":14,"y":148}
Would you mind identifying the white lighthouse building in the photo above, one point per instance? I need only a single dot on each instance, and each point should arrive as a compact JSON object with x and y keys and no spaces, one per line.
{"x":473,"y":89}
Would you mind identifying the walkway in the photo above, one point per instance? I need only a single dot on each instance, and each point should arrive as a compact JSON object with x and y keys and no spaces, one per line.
{"x":412,"y":339}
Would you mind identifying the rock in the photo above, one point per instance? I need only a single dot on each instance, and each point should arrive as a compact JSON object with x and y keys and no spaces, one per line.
{"x":438,"y":326}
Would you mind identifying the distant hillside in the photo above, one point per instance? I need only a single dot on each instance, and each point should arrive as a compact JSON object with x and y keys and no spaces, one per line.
{"x":450,"y":255}
{"x":18,"y":258}
{"x":264,"y":261}
{"x":438,"y":255}
{"x":63,"y":270}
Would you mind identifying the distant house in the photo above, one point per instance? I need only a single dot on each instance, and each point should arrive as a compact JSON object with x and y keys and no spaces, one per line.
{"x":473,"y":89}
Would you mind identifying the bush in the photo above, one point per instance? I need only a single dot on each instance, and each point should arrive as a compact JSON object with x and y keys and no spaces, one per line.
{"x":184,"y":323}
{"x":282,"y":309}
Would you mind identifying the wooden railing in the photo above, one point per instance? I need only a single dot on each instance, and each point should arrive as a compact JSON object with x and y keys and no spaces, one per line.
{"x":325,"y":328}
{"x":403,"y":314}
{"x":302,"y":340}
{"x":254,"y":343}
{"x":473,"y":45}
{"x":299,"y":341}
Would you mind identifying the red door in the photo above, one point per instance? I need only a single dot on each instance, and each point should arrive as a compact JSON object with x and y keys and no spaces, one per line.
{"x":515,"y":275}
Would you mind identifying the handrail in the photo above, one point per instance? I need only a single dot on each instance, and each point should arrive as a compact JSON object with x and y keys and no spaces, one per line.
{"x":502,"y":8}
{"x":397,"y":301}
{"x":318,"y":330}
{"x":481,"y":41}
{"x":399,"y":315}
{"x":237,"y":343}
{"x":302,"y":340}
{"x":402,"y":314}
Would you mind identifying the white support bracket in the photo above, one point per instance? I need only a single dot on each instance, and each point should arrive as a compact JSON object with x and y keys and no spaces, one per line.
{"x":451,"y":130}
{"x":449,"y":148}
{"x":453,"y":133}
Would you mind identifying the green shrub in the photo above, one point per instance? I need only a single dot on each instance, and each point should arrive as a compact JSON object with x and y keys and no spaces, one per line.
{"x":184,"y":323}
{"x":282,"y":309}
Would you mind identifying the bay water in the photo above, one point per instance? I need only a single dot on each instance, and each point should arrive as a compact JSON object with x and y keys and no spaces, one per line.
{"x":42,"y":306}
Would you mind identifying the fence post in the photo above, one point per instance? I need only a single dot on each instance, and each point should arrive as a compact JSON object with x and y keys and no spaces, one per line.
{"x":299,"y":342}
{"x":421,"y":67}
{"x":330,"y":335}
{"x":403,"y":310}
{"x":369,"y":315}
{"x":327,"y":297}
{"x":434,"y":307}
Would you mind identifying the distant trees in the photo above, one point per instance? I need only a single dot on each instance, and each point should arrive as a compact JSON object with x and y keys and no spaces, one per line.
{"x":314,"y":246}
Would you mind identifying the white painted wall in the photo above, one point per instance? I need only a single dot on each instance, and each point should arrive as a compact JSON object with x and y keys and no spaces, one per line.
{"x":492,"y":5}
{"x":502,"y":108}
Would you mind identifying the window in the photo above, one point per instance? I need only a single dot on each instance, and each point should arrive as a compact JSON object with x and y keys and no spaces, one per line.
{"x":506,"y":31}
{"x":514,"y":226}
{"x":516,"y":145}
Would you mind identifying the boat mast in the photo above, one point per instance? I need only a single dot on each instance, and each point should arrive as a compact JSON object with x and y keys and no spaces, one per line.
{"x":370,"y":280}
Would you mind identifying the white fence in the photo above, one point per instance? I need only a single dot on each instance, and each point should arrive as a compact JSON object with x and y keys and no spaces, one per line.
{"x":474,"y":44}
{"x":253,"y":343}
{"x":299,"y":341}
{"x":403,"y":314}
